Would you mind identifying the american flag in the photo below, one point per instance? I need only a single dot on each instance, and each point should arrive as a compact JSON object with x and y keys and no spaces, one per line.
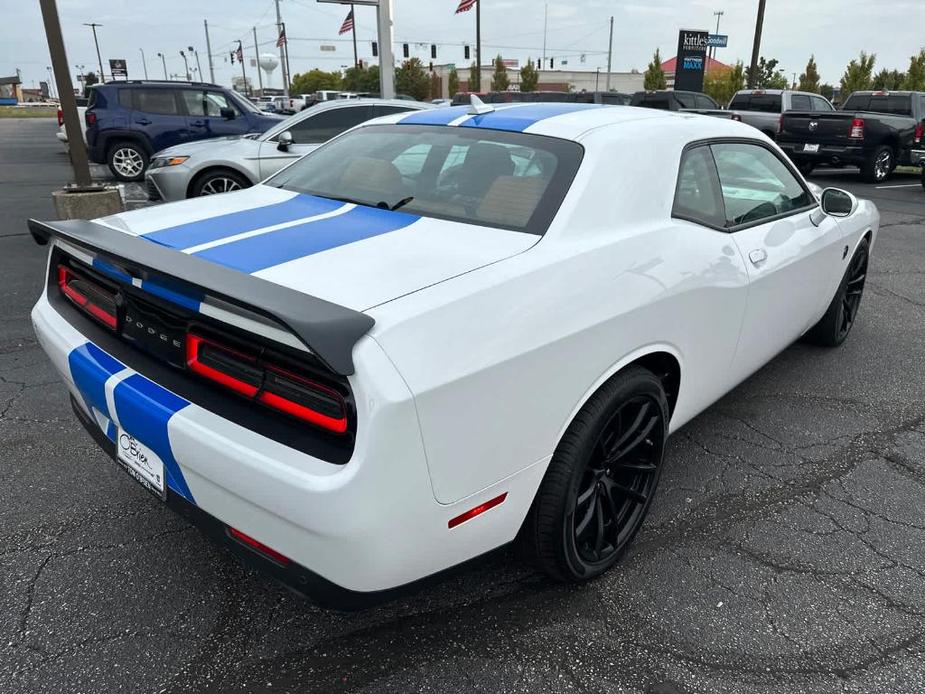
{"x":465,"y":5}
{"x":239,"y":54}
{"x":348,"y":23}
{"x":281,"y":41}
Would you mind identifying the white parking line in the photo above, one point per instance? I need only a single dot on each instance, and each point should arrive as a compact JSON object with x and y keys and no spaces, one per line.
{"x":901,"y":185}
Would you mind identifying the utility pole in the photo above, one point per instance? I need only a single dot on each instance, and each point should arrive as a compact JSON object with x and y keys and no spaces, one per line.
{"x":76,"y":147}
{"x":356,"y":61}
{"x":205,"y":23}
{"x":386,"y":57}
{"x":186,"y":63}
{"x":609,"y":53}
{"x":718,"y":14}
{"x":282,"y":51}
{"x":756,"y":47}
{"x":94,"y":25}
{"x":164,"y":62}
{"x":257,"y":53}
{"x":243,"y":73}
{"x":478,"y":42}
{"x":545,"y":23}
{"x":144,"y":63}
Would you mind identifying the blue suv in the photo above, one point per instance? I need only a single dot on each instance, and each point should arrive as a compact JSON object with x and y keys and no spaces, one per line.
{"x":129,"y":121}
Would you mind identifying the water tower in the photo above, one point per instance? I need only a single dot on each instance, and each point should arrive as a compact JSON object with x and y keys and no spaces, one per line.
{"x":268,"y":63}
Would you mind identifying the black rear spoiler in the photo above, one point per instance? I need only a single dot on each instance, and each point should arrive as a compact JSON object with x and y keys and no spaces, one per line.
{"x":330,"y":331}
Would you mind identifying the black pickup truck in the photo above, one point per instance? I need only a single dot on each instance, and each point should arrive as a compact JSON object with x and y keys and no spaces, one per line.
{"x":875,"y":131}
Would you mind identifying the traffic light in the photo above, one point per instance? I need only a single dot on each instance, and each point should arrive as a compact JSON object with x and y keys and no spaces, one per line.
{"x":539,"y":64}
{"x":375,"y":49}
{"x":433,"y":50}
{"x":430,"y":66}
{"x":466,"y":52}
{"x":551,"y":63}
{"x":404,"y":50}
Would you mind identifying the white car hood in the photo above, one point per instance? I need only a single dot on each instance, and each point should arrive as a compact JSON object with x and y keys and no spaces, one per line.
{"x":354,"y":256}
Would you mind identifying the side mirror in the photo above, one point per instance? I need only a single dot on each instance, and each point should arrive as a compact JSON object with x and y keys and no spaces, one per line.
{"x":837,"y":202}
{"x":226,"y":113}
{"x":283,"y":141}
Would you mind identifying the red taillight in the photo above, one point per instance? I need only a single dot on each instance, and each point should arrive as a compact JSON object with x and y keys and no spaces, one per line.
{"x":90,"y":118}
{"x":60,"y":117}
{"x":92,"y":298}
{"x":257,"y":378}
{"x":857,"y":129}
{"x":919,"y":133}
{"x":258,"y":546}
{"x":478,"y":510}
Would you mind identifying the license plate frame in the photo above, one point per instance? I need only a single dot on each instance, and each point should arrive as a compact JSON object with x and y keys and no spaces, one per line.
{"x":811,"y":148}
{"x":142,"y":463}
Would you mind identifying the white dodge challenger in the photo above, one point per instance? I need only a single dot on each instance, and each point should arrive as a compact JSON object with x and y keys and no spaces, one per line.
{"x":445,"y":330}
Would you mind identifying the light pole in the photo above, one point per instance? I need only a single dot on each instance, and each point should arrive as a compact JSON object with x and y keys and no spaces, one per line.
{"x":756,"y":46}
{"x":51,"y":82}
{"x":80,"y":76}
{"x":164,"y":62}
{"x":94,"y":25}
{"x":198,"y":64}
{"x":144,"y":64}
{"x":718,"y":14}
{"x":186,"y":63}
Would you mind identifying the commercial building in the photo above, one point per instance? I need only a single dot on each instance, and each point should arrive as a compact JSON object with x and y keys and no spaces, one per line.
{"x":549,"y":80}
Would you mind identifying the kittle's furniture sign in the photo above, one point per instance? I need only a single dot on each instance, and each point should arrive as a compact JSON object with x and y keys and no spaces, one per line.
{"x":692,"y":58}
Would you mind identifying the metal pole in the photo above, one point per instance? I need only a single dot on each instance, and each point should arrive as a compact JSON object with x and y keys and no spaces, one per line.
{"x":51,"y":82}
{"x":243,"y":73}
{"x":282,"y":51}
{"x":356,"y":62}
{"x":545,"y":18}
{"x":198,"y":64}
{"x":386,"y":56}
{"x":144,"y":63}
{"x":94,"y":25}
{"x":205,"y":24}
{"x":609,"y":53}
{"x":712,"y":51}
{"x":186,"y":63}
{"x":257,"y":53}
{"x":288,"y":68}
{"x":75,"y":138}
{"x":756,"y":46}
{"x":478,"y":43}
{"x":164,"y":62}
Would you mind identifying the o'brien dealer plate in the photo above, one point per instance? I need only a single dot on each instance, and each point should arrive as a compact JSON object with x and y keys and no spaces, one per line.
{"x":141,"y":463}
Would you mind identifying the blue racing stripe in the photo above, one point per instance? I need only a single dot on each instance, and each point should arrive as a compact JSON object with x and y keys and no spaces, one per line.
{"x":215,"y":228}
{"x":90,"y":368}
{"x":438,"y":116}
{"x":519,"y":118}
{"x":111,"y":270}
{"x":144,"y":410}
{"x":174,"y":292}
{"x":277,"y":247}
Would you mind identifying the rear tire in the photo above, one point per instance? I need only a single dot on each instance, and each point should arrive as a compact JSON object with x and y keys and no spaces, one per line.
{"x":833,"y":328}
{"x":127,"y":160}
{"x":879,"y":164}
{"x":601,"y":479}
{"x":218,"y":181}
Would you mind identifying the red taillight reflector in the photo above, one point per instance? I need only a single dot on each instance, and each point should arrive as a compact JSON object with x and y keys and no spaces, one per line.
{"x":60,"y":117}
{"x":857,"y":129}
{"x":93,"y":299}
{"x":258,"y":546}
{"x":919,"y":133}
{"x":90,"y":118}
{"x":478,"y":510}
{"x":304,"y":399}
{"x":206,"y":358}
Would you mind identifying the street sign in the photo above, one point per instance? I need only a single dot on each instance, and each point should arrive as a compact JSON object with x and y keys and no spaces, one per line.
{"x":717,"y":40}
{"x":510,"y":62}
{"x":117,"y":68}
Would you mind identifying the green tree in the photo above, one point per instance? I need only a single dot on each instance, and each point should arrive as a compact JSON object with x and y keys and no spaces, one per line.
{"x":475,"y":78}
{"x":529,"y":77}
{"x":767,"y":75}
{"x":499,"y":79}
{"x":723,"y":83}
{"x":313,"y":80}
{"x":436,"y":86}
{"x":858,"y":75}
{"x":915,"y":75}
{"x":888,"y":79}
{"x":827,"y":90}
{"x":411,"y":79}
{"x":809,"y":80}
{"x":89,"y":80}
{"x":655,"y":76}
{"x":452,"y":82}
{"x":361,"y":79}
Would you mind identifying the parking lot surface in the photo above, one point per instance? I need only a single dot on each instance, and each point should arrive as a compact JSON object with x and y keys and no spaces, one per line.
{"x":785,"y":551}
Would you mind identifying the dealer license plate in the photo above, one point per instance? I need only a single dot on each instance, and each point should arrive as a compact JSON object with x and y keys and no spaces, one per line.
{"x":141,"y":463}
{"x":811,"y":148}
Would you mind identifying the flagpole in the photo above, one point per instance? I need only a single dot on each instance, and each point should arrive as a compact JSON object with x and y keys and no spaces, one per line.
{"x":478,"y":42}
{"x":356,"y":62}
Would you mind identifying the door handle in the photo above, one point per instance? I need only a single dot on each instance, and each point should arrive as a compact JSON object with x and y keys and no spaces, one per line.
{"x":758,"y":256}
{"x":198,"y":123}
{"x":142,"y":121}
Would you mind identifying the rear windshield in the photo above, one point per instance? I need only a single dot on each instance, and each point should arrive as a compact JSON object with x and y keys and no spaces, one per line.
{"x":659,"y":101}
{"x":896,"y":104}
{"x":493,"y":178}
{"x":767,"y":103}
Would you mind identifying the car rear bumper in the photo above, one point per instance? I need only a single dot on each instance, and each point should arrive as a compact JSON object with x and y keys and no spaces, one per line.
{"x":354,"y":534}
{"x":917,"y":157}
{"x":847,"y":154}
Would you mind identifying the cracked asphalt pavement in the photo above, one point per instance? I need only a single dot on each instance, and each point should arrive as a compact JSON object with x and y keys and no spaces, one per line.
{"x":785,"y":552}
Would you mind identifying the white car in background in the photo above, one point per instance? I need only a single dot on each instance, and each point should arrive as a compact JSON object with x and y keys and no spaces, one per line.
{"x":81,"y":110}
{"x":226,"y":164}
{"x":445,"y":330}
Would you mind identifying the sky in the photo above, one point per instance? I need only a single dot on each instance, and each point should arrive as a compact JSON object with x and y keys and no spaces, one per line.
{"x":834,"y":30}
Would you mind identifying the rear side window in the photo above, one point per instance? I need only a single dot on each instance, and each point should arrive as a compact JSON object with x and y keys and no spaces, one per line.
{"x":388,"y":110}
{"x":324,"y":125}
{"x":820,"y":104}
{"x":800,"y":102}
{"x":697,"y":195}
{"x":703,"y":101}
{"x":125,"y":98}
{"x":766,"y":103}
{"x":659,"y":101}
{"x":157,"y":101}
{"x":756,"y":184}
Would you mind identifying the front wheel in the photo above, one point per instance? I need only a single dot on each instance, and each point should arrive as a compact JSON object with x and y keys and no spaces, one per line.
{"x":601,"y":479}
{"x":833,"y":328}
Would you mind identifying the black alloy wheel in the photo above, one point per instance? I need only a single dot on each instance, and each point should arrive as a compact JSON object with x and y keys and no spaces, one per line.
{"x":601,"y":480}
{"x":835,"y":325}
